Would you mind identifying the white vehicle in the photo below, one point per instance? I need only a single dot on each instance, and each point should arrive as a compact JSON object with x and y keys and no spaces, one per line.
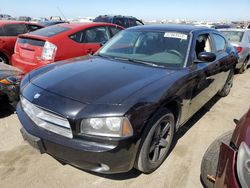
{"x":240,"y":39}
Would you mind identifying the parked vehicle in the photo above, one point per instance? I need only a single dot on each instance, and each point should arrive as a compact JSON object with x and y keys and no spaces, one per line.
{"x":240,"y":39}
{"x":5,"y":17}
{"x":10,"y":78}
{"x":226,"y":162}
{"x":24,"y":18}
{"x":124,"y":21}
{"x":121,"y":107}
{"x":39,"y":20}
{"x":45,"y":46}
{"x":9,"y":30}
{"x":50,"y":23}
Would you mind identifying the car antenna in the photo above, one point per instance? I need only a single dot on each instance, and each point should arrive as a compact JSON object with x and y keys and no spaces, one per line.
{"x":62,"y":13}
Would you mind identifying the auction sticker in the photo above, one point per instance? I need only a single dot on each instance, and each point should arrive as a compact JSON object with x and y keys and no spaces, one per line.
{"x":176,"y":35}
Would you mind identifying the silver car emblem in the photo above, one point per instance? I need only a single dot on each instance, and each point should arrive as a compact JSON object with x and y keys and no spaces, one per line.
{"x":36,"y":96}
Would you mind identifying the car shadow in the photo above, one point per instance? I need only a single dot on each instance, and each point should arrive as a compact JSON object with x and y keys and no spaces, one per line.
{"x":5,"y":109}
{"x":180,"y":133}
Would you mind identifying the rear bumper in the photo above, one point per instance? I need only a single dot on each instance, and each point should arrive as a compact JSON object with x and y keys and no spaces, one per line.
{"x":94,"y":156}
{"x":26,"y":66}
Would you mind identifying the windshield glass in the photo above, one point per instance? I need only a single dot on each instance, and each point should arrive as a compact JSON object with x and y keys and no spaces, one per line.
{"x":233,"y":36}
{"x":168,"y":49}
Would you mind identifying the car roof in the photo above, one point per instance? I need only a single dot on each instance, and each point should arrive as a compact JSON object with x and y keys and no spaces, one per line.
{"x":118,"y":16}
{"x":171,"y":27}
{"x":85,"y":25}
{"x":5,"y":22}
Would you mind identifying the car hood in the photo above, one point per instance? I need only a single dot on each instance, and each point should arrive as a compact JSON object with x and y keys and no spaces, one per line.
{"x":97,"y":80}
{"x":7,"y":70}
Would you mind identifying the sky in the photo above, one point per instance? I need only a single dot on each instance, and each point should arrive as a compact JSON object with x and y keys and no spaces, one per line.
{"x":213,"y":10}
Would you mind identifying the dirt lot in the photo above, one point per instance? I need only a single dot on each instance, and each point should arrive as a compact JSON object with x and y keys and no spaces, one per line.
{"x":22,"y":166}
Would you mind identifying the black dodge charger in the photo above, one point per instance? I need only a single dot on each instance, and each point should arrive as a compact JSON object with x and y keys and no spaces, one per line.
{"x":121,"y":107}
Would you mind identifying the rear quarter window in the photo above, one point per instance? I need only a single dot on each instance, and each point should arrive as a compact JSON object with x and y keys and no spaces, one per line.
{"x":50,"y":31}
{"x":14,"y":29}
{"x":1,"y":31}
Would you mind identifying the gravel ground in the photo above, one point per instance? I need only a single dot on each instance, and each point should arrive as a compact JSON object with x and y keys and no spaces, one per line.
{"x":22,"y":166}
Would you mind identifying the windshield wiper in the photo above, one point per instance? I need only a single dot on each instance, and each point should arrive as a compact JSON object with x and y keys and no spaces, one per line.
{"x":138,"y":61}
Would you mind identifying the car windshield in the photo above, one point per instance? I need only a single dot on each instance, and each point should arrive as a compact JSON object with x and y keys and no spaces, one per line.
{"x":156,"y":48}
{"x":233,"y":36}
{"x":50,"y":31}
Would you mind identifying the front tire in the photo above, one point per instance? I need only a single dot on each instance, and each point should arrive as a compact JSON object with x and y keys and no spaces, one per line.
{"x":211,"y":157}
{"x":156,"y":141}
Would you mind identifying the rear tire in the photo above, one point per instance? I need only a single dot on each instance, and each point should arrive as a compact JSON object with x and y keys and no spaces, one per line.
{"x":228,"y":85}
{"x":210,"y":159}
{"x":244,"y":66}
{"x":156,"y":141}
{"x":3,"y":59}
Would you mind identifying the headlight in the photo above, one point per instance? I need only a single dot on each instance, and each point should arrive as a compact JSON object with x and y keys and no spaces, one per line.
{"x":109,"y":127}
{"x":243,"y":165}
{"x":11,"y":80}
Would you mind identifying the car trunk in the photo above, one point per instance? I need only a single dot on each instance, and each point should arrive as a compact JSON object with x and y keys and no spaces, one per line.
{"x":29,"y":49}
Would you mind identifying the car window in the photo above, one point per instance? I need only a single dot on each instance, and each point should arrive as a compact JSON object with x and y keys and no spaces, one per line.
{"x":203,"y":44}
{"x":115,"y":30}
{"x":119,"y":21}
{"x":220,"y":42}
{"x":78,"y":37}
{"x":50,"y":31}
{"x":96,"y":35}
{"x":1,"y":31}
{"x":131,"y":22}
{"x":167,"y":49}
{"x":15,"y":29}
{"x":33,"y":27}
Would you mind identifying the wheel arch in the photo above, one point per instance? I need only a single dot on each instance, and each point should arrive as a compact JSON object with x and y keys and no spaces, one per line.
{"x":6,"y":56}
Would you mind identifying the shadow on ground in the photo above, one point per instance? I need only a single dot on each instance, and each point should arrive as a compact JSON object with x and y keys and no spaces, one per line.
{"x":5,"y":109}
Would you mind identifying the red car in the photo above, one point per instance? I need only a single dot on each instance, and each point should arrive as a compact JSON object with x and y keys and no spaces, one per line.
{"x":60,"y":42}
{"x":9,"y":30}
{"x":226,"y":162}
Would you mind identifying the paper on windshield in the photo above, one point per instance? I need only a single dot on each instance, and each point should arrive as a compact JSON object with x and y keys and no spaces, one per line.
{"x":176,"y":35}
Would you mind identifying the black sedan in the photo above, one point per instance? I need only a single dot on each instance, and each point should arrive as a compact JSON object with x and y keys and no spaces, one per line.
{"x":10,"y":78}
{"x":121,"y":107}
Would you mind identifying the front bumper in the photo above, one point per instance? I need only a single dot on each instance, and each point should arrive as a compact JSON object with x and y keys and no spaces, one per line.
{"x":101,"y":157}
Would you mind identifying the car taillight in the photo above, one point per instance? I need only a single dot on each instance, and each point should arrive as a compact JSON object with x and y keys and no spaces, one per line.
{"x":49,"y":51}
{"x":239,"y":49}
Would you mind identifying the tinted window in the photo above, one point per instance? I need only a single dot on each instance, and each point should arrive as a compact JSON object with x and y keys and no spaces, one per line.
{"x":115,"y":30}
{"x":1,"y":31}
{"x":96,"y":35}
{"x":119,"y":21}
{"x":233,"y":36}
{"x":92,"y":35}
{"x":15,"y":29}
{"x":220,"y":42}
{"x":50,"y":31}
{"x":33,"y":27}
{"x":132,"y":22}
{"x":102,"y":19}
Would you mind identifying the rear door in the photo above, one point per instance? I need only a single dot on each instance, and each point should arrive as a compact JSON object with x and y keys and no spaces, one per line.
{"x":11,"y":31}
{"x":223,"y":62}
{"x":90,"y":39}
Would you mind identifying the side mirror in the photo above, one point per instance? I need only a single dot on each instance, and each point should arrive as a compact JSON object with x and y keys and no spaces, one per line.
{"x":206,"y":56}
